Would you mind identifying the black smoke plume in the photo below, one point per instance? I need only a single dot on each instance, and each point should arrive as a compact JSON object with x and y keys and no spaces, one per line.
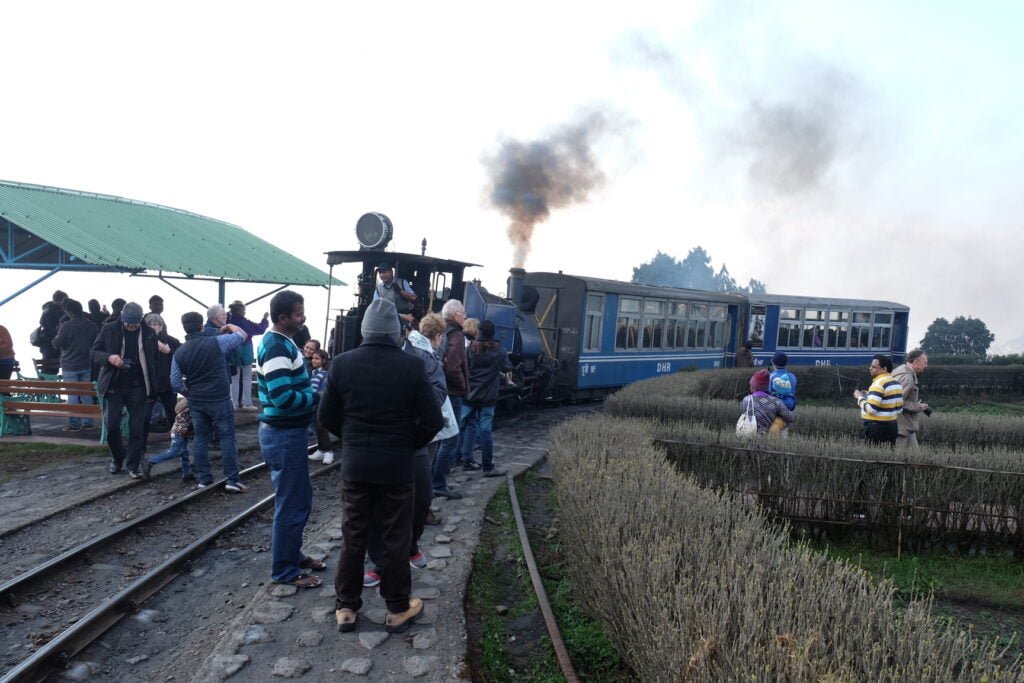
{"x":529,"y":179}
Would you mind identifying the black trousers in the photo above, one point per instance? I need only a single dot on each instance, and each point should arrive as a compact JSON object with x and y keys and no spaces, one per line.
{"x":420,"y":507}
{"x":390,"y":507}
{"x":134,"y":399}
{"x":880,"y":432}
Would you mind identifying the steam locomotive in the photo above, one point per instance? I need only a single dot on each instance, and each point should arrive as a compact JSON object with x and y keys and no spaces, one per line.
{"x":574,"y":337}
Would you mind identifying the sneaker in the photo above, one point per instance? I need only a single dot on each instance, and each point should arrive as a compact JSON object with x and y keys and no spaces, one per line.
{"x":371,"y":579}
{"x":236,"y":487}
{"x":418,"y":561}
{"x":470,"y":466}
{"x":204,"y":484}
{"x":494,"y":472}
{"x":346,"y":619}
{"x":316,"y":456}
{"x":188,"y":476}
{"x":115,"y":467}
{"x":329,"y":457}
{"x":146,"y":467}
{"x":135,"y":474}
{"x":71,"y":428}
{"x":399,"y":622}
{"x":249,"y":409}
{"x":449,"y":493}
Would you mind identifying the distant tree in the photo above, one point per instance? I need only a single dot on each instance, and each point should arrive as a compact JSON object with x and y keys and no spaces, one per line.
{"x":962,"y":337}
{"x":693,"y":272}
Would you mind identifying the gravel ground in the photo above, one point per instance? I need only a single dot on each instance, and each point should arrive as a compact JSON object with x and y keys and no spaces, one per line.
{"x":224,"y":618}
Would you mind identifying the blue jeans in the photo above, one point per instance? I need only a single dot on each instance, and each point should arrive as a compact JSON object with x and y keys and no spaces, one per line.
{"x":179,"y":448}
{"x":449,"y":447}
{"x":78,"y":376}
{"x":208,"y":416}
{"x":285,"y":452}
{"x":478,"y":422}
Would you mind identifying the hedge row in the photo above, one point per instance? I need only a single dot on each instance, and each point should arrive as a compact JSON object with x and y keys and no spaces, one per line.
{"x":832,"y":383}
{"x":910,"y":500}
{"x":694,"y":585}
{"x":967,"y":435}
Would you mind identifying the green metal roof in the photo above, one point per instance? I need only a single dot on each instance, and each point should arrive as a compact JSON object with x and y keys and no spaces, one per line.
{"x":128,"y":235}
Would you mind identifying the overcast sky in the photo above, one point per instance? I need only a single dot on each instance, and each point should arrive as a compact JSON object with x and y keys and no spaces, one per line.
{"x":858,"y":150}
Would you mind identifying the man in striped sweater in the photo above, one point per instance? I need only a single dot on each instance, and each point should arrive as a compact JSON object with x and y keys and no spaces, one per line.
{"x":288,"y":406}
{"x":882,"y":404}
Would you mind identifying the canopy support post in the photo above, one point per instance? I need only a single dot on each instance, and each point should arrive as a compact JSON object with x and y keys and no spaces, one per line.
{"x":30,"y":285}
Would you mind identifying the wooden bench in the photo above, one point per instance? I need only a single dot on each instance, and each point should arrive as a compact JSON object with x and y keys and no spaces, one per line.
{"x":48,"y":369}
{"x":20,"y":399}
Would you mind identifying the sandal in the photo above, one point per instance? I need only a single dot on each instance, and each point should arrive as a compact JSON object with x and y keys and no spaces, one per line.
{"x":303,"y":581}
{"x":310,"y":563}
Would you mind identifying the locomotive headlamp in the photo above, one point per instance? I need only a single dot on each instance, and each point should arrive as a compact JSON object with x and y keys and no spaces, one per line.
{"x":374,"y":231}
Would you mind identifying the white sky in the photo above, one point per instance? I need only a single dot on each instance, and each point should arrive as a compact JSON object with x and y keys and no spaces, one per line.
{"x":292,"y":120}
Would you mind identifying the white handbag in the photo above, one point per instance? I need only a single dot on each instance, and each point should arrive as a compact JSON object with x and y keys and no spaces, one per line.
{"x":451,"y":424}
{"x":746,"y":426}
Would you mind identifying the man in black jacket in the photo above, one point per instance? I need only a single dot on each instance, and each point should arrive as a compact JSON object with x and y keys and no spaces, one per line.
{"x":74,"y":340}
{"x":487,"y":361}
{"x":378,"y":399}
{"x":126,"y":354}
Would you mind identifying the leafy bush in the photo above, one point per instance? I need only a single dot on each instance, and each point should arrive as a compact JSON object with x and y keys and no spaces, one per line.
{"x":694,"y":585}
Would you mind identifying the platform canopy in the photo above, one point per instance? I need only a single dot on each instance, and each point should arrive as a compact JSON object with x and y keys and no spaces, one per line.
{"x":48,"y":228}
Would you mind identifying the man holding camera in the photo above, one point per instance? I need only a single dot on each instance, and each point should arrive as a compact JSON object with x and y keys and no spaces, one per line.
{"x":396,"y":290}
{"x":126,"y":354}
{"x":909,"y":421}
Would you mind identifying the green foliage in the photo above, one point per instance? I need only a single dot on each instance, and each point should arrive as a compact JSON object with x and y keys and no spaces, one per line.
{"x":695,"y":585}
{"x":693,"y":272}
{"x":962,"y":337}
{"x":994,"y":580}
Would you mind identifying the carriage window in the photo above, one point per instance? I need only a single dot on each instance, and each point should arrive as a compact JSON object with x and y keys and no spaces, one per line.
{"x":696,"y":328}
{"x":595,"y":315}
{"x":838,"y":329}
{"x":627,"y":325}
{"x":716,"y":328}
{"x":654,"y":324}
{"x":675,"y":327}
{"x":860,"y":331}
{"x":789,"y":314}
{"x":789,"y":334}
{"x":814,"y":316}
{"x":881,"y":333}
{"x":814,"y":336}
{"x":755,"y":330}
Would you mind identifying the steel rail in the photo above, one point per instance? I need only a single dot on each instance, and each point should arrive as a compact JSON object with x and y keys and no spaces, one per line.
{"x":58,"y":652}
{"x":564,"y":662}
{"x":131,"y":483}
{"x":7,"y":589}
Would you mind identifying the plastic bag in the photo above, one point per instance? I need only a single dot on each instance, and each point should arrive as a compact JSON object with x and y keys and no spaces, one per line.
{"x":746,"y":426}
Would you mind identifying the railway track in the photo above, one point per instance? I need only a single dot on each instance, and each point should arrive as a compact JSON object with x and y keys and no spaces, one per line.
{"x":88,"y":588}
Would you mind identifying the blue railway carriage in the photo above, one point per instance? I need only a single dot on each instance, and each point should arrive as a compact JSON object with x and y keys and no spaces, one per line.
{"x":605,"y":334}
{"x":824,"y":331}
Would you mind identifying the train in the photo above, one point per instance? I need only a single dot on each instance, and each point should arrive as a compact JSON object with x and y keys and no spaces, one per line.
{"x":575,"y":337}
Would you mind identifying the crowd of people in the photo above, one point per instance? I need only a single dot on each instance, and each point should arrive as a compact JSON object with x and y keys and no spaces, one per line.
{"x":890,"y":409}
{"x":413,"y":401}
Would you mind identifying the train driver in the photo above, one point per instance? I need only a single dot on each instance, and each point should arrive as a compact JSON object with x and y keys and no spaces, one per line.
{"x":396,"y":290}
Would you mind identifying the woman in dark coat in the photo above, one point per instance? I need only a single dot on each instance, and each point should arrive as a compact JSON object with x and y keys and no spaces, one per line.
{"x":162,"y":392}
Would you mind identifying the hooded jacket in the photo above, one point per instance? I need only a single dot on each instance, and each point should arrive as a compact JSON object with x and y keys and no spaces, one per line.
{"x":487,"y":360}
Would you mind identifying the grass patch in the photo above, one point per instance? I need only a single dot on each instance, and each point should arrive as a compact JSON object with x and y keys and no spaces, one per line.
{"x":993,"y":580}
{"x":515,"y":646}
{"x":20,"y":457}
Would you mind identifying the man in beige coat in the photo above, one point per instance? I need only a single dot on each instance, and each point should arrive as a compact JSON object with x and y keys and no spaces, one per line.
{"x":909,"y":421}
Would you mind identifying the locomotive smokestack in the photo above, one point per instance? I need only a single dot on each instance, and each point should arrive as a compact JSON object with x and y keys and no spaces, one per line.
{"x":529,"y":179}
{"x":515,"y":285}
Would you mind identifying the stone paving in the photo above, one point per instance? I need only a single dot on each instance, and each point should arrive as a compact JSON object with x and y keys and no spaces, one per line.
{"x":287,"y":633}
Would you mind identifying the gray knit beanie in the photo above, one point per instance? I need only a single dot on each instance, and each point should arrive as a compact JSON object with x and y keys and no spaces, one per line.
{"x":381,"y":318}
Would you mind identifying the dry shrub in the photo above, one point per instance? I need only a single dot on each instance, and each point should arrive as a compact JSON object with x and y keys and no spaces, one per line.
{"x":834,"y":382}
{"x":693,"y":585}
{"x":664,"y":399}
